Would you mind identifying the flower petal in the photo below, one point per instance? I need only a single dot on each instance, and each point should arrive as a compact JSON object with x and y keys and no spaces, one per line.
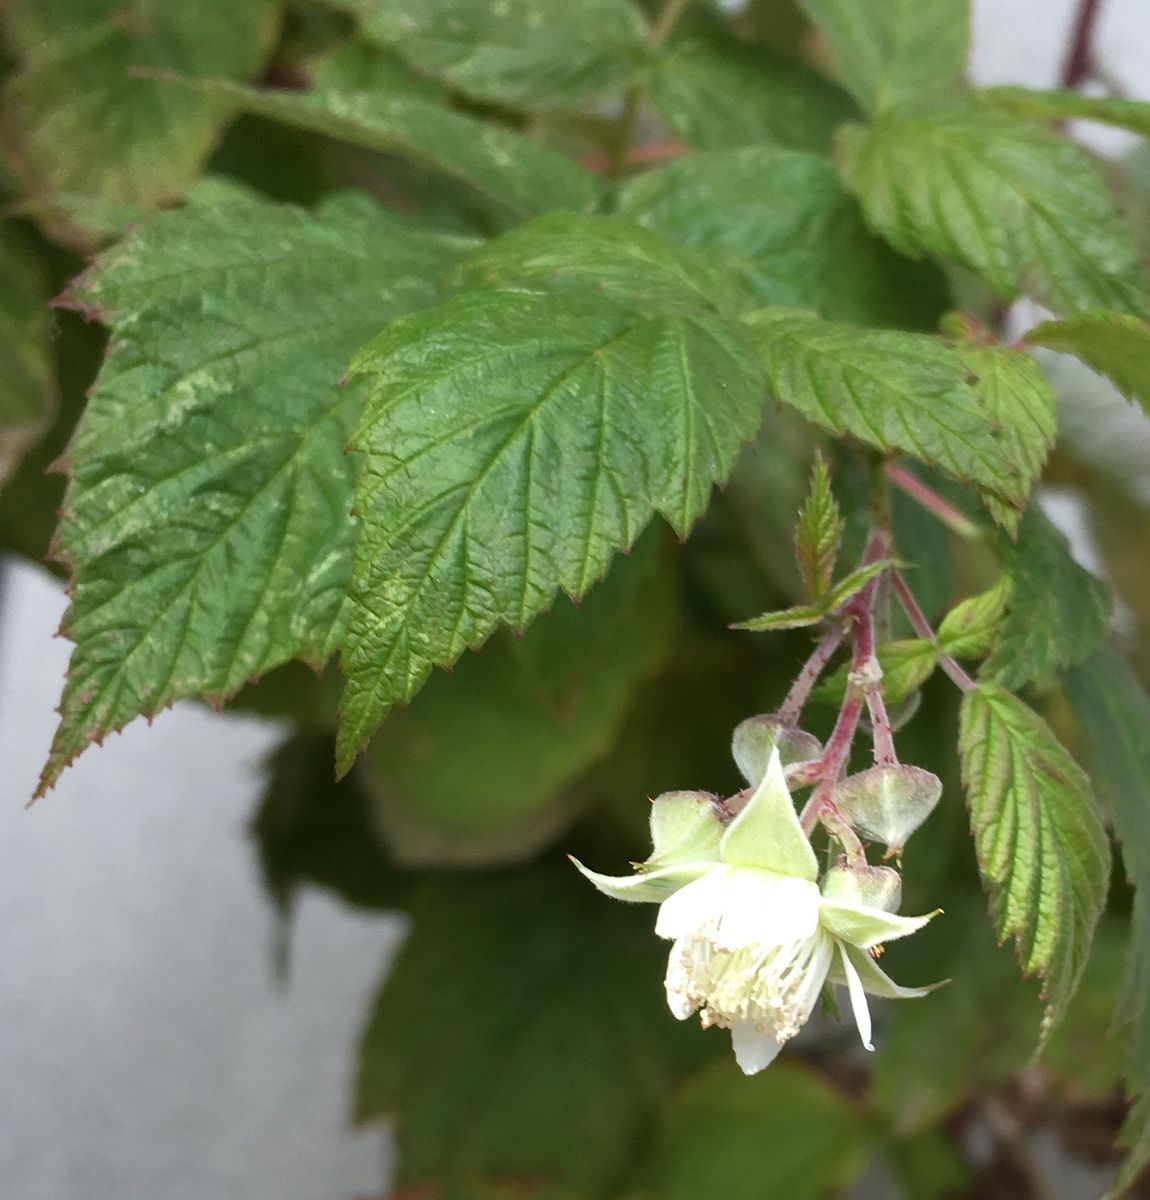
{"x":653,"y":886}
{"x":685,"y":827}
{"x":754,"y":1051}
{"x":767,"y":832}
{"x":858,"y":999}
{"x":875,"y":980}
{"x":866,"y":927}
{"x":735,"y":907}
{"x":677,"y":982}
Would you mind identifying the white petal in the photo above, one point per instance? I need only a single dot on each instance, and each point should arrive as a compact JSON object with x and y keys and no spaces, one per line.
{"x":858,"y":999}
{"x":875,"y":980}
{"x":691,"y":908}
{"x":754,"y":1051}
{"x":767,"y":832}
{"x":677,"y":982}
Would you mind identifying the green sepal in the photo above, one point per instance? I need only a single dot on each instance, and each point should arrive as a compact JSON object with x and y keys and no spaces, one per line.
{"x":865,"y":927}
{"x":645,"y":887}
{"x":875,"y":980}
{"x":767,"y":833}
{"x":685,"y":828}
{"x":756,"y":738}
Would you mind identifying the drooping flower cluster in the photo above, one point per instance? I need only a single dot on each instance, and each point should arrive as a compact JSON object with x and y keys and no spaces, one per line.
{"x":755,"y":938}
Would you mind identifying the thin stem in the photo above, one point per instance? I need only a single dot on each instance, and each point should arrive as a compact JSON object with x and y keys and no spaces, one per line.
{"x":620,"y":149}
{"x":1080,"y":51}
{"x":946,"y":512}
{"x":865,"y":666}
{"x":837,"y":751}
{"x":923,"y":628}
{"x":791,"y":708}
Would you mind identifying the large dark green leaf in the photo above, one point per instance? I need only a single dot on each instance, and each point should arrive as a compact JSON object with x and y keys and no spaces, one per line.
{"x":514,"y":439}
{"x":206,"y":519}
{"x":1025,"y":209}
{"x":523,"y":53}
{"x":79,"y":118}
{"x":893,"y":54}
{"x":984,"y":416}
{"x":782,"y":219}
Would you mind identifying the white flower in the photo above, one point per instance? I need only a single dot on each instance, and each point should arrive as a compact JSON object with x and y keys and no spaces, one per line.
{"x":754,"y":938}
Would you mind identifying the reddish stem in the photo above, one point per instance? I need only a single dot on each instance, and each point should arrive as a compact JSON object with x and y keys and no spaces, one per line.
{"x":946,"y":512}
{"x":791,"y":708}
{"x":922,"y":627}
{"x":1080,"y":52}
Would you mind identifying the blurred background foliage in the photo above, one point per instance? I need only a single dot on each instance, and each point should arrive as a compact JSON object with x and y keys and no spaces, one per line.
{"x":521,"y":1044}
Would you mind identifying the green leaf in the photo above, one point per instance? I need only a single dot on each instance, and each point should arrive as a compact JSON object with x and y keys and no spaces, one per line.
{"x":206,"y":518}
{"x":27,"y":381}
{"x":1114,"y":344}
{"x":522,"y":1032}
{"x":782,"y":219}
{"x":1058,"y":611}
{"x":80,"y":119}
{"x":1114,"y":711}
{"x":508,"y":170}
{"x":786,"y":1132}
{"x":1041,"y":846}
{"x":524,"y":53}
{"x":906,"y":666}
{"x":819,"y":532}
{"x":912,"y":393}
{"x":797,"y":618}
{"x":482,"y":767}
{"x":717,"y":92}
{"x":1025,"y":209}
{"x":1034,"y":105}
{"x":971,"y":628}
{"x":309,"y":829}
{"x":513,"y":440}
{"x":895,"y":54}
{"x":605,"y":256}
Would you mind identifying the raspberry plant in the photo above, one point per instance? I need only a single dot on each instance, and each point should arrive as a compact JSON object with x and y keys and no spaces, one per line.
{"x":576,"y":335}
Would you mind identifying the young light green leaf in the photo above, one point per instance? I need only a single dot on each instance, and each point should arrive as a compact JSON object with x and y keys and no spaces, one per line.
{"x":514,"y":439}
{"x":817,"y":1139}
{"x":27,"y":381}
{"x":1114,"y":344}
{"x":532,"y":54}
{"x":910,"y":393}
{"x":480,"y":768}
{"x":535,"y":1062}
{"x":206,"y":518}
{"x":507,"y":169}
{"x":783,"y":221}
{"x":1038,"y":834}
{"x":80,"y":119}
{"x":836,"y":597}
{"x":1025,"y":209}
{"x":895,"y":54}
{"x":717,"y":92}
{"x":906,"y":666}
{"x":1114,"y":711}
{"x":1058,"y":611}
{"x":971,"y":628}
{"x":819,"y":532}
{"x":1035,"y":105}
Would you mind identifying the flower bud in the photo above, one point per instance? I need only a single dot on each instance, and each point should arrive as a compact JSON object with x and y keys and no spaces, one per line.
{"x":865,"y":886}
{"x":888,"y":803}
{"x":755,"y":738}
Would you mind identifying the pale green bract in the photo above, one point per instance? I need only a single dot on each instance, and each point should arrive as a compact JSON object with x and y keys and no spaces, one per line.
{"x":754,"y":937}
